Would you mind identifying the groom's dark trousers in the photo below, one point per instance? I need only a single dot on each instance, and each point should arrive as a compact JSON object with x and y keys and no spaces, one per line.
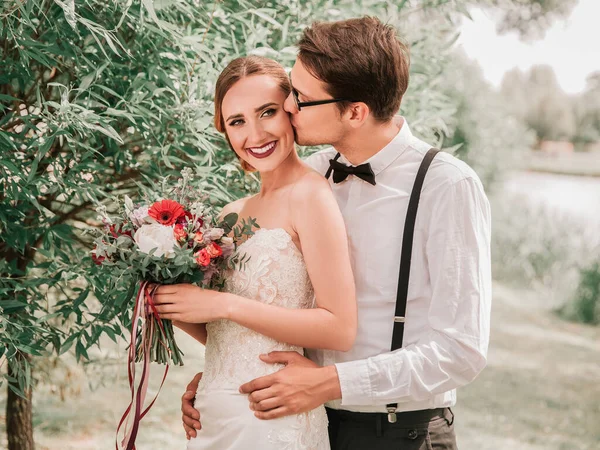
{"x":413,"y":430}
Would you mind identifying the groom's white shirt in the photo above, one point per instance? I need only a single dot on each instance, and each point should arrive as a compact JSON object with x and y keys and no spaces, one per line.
{"x":449,"y":298}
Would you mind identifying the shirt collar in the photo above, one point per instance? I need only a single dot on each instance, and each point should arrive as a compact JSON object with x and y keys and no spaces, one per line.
{"x":388,"y":154}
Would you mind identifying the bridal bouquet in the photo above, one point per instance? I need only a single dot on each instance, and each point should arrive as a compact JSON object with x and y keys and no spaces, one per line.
{"x":170,"y":236}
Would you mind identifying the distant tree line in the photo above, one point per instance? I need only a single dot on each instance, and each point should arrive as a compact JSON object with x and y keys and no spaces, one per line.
{"x":538,"y":100}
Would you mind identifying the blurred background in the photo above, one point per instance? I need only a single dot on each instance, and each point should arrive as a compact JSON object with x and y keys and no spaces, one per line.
{"x":96,"y":96}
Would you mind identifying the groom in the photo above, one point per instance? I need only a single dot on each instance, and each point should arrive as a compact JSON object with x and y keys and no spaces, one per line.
{"x":348,"y":82}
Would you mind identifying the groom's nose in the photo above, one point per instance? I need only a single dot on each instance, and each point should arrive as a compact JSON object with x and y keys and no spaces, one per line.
{"x":289,"y":105}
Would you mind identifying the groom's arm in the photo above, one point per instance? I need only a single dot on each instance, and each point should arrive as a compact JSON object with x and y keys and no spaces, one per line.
{"x":455,"y":351}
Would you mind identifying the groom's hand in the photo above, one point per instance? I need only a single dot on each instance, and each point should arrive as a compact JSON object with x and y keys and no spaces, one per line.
{"x":190,"y":416}
{"x":300,"y":386}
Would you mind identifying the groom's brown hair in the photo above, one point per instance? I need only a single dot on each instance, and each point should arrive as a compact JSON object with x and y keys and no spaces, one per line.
{"x":359,"y":59}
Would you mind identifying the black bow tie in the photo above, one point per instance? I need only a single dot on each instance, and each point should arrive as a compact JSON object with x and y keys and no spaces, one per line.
{"x":341,"y":171}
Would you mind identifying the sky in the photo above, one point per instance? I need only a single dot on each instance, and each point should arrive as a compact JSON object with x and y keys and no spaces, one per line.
{"x":571,"y":46}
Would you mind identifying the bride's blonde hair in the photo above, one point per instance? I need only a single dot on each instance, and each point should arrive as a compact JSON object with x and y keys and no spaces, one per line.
{"x":241,"y":68}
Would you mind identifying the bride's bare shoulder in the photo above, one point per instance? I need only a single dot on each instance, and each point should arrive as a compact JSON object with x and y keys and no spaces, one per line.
{"x":311,"y":183}
{"x":234,"y":207}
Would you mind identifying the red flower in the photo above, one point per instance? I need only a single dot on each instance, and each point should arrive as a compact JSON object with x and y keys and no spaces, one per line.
{"x":166,"y":212}
{"x":186,"y":217}
{"x":214,"y":250}
{"x":189,"y":218}
{"x":116,"y":232}
{"x":198,"y":237}
{"x":97,"y":259}
{"x":202,"y":257}
{"x":179,"y":233}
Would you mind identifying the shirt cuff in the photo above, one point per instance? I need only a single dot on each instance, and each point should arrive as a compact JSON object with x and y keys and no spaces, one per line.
{"x":355,"y":383}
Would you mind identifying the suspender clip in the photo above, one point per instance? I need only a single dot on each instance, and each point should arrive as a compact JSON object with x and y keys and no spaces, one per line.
{"x":391,"y":414}
{"x":399,"y":319}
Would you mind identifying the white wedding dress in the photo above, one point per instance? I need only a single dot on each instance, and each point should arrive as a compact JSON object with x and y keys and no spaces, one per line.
{"x":275,"y":274}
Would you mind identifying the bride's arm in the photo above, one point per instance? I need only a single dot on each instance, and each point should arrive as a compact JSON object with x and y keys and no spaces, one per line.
{"x":195,"y":330}
{"x":332,"y":323}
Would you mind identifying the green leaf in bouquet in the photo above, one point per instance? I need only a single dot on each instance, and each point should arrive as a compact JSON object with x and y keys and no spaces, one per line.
{"x":229,"y":222}
{"x":245,"y":228}
{"x":196,"y":277}
{"x":124,"y":241}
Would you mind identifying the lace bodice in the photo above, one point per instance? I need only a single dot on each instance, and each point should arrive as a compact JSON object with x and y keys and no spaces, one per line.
{"x":274,"y":274}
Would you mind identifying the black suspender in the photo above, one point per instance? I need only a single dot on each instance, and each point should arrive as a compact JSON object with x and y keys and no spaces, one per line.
{"x":405,"y":258}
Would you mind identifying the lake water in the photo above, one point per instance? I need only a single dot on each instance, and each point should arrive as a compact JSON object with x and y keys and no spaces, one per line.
{"x":578,"y":197}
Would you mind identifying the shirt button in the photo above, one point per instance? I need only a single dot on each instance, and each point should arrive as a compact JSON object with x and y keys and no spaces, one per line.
{"x":412,"y":434}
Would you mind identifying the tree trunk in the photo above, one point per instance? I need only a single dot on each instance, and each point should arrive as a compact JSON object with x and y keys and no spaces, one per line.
{"x":19,"y":425}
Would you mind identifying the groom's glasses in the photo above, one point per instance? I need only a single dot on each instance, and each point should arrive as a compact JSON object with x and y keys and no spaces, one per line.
{"x":301,"y":105}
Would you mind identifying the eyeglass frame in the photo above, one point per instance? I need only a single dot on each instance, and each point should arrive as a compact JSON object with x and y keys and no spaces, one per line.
{"x":300,"y":104}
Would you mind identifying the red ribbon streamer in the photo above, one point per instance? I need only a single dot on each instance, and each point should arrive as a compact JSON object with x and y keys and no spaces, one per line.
{"x":144,"y":309}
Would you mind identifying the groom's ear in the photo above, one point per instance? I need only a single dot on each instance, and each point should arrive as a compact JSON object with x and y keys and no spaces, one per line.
{"x":357,"y":114}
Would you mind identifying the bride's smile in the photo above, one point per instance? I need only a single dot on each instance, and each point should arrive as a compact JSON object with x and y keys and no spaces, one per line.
{"x":262,"y":151}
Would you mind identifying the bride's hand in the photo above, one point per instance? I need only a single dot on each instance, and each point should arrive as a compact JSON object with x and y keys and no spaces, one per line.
{"x":188,"y":303}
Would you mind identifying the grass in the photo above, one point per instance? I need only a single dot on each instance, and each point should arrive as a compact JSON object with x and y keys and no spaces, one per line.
{"x":540,"y":391}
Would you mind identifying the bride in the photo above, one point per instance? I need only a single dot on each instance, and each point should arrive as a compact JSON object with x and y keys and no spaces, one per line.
{"x":296,"y":291}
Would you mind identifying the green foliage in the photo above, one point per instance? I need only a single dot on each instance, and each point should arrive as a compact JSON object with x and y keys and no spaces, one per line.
{"x":585,"y":305}
{"x":534,"y":247}
{"x":530,"y":18}
{"x":587,"y":113}
{"x":537,"y":99}
{"x":483,"y":131}
{"x":97,"y":97}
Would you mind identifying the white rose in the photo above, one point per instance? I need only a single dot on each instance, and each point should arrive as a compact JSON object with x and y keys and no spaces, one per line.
{"x":157,"y":236}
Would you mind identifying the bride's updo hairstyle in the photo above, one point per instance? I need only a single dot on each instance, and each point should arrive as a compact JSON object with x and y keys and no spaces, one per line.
{"x":241,"y":68}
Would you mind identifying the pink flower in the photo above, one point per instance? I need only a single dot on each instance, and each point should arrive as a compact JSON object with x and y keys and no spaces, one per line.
{"x":227,"y":246}
{"x":179,"y":233}
{"x":138,"y":216}
{"x":209,"y":273}
{"x":202,"y":257}
{"x":214,"y":250}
